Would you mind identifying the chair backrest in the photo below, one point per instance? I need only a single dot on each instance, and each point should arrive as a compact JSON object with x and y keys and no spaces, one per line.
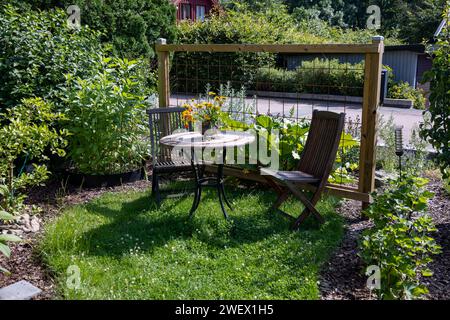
{"x":163,"y":122}
{"x":322,"y":144}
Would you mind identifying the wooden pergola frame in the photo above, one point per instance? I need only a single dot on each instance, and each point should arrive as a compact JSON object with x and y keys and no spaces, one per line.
{"x":371,"y":99}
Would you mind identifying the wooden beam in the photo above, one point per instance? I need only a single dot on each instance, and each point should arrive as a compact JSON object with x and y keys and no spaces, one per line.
{"x":274,"y":48}
{"x":371,"y":101}
{"x":335,"y":190}
{"x":163,"y":82}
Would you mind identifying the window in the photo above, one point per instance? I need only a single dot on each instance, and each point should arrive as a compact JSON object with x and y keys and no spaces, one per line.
{"x":185,"y":11}
{"x":200,"y":13}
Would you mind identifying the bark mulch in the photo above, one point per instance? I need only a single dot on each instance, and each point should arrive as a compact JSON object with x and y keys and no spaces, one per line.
{"x":343,"y":278}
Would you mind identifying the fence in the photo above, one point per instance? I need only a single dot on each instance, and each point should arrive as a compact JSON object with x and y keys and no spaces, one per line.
{"x":195,"y":67}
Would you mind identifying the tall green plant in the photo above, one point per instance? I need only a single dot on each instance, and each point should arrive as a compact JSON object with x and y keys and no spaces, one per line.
{"x":402,"y":90}
{"x":106,"y":116}
{"x":6,"y":238}
{"x":131,"y":26}
{"x":27,"y":133}
{"x":400,"y":241}
{"x":37,"y":48}
{"x":437,"y":130}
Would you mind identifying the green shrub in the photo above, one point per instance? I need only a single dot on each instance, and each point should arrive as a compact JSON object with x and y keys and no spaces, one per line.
{"x":27,"y":132}
{"x":320,"y":76}
{"x":386,"y":157}
{"x":234,"y":27}
{"x":291,"y":140}
{"x":106,"y":116}
{"x":37,"y":48}
{"x":261,"y":24}
{"x":131,"y":26}
{"x":402,"y":90}
{"x":399,"y":242}
{"x":332,"y":77}
{"x":437,"y":130}
{"x":273,"y":79}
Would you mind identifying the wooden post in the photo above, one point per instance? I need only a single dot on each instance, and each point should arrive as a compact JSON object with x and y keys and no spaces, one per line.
{"x":372,"y":88}
{"x":163,"y":82}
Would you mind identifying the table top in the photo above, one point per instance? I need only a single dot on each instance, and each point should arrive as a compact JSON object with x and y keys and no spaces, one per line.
{"x":220,"y":139}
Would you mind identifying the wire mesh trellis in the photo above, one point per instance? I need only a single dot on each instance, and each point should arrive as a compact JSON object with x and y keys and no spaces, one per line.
{"x":266,"y":83}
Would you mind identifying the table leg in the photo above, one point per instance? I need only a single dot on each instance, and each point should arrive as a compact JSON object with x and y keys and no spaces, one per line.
{"x":221,"y":186}
{"x":220,"y":190}
{"x":198,"y":175}
{"x":201,"y":182}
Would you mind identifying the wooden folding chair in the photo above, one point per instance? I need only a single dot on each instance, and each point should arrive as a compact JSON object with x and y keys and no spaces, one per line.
{"x":314,"y":168}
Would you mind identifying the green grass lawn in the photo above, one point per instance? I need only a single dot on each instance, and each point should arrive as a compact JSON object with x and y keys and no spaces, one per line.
{"x":126,"y":248}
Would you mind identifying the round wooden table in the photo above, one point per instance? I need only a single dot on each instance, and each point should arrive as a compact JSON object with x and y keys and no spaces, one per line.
{"x":215,"y":140}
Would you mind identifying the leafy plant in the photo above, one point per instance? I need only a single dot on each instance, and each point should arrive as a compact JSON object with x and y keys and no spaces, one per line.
{"x":274,"y":79}
{"x":447,"y":186}
{"x":106,"y":114}
{"x":292,"y":138}
{"x":386,"y":157}
{"x":416,"y":156}
{"x":131,"y":26}
{"x":206,"y":112}
{"x":237,"y":106}
{"x":5,"y":238}
{"x":400,"y":242}
{"x":417,"y":159}
{"x":437,"y":130}
{"x":27,"y":132}
{"x":402,"y":90}
{"x":321,"y":76}
{"x":239,"y":25}
{"x":37,"y":48}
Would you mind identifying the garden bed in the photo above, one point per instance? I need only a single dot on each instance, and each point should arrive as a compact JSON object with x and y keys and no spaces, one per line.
{"x":343,"y":278}
{"x":111,"y":180}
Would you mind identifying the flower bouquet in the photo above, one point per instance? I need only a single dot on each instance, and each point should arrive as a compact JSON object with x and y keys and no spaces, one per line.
{"x":207,"y":112}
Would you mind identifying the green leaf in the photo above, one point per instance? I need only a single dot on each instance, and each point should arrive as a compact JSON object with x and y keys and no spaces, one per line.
{"x":5,"y":250}
{"x":427,"y":273}
{"x":6,"y":216}
{"x":264,"y":121}
{"x":9,"y":238}
{"x":4,"y":270}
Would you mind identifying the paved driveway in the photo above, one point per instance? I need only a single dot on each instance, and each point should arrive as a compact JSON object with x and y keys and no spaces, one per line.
{"x":408,"y":118}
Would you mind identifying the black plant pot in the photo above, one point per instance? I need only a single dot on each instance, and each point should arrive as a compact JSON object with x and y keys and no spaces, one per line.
{"x":110,"y":180}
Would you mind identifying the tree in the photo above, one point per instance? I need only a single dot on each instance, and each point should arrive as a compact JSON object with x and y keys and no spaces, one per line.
{"x":422,"y":20}
{"x":327,"y":10}
{"x":413,"y":20}
{"x":132,"y":26}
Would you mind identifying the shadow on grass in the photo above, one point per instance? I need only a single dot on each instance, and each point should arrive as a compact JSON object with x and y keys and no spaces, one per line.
{"x":140,"y":222}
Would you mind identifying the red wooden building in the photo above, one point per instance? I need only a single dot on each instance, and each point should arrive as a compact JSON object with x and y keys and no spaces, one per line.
{"x":193,"y":9}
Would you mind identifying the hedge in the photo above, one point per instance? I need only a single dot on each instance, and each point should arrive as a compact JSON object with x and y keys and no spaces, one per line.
{"x":131,"y":26}
{"x":320,"y":76}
